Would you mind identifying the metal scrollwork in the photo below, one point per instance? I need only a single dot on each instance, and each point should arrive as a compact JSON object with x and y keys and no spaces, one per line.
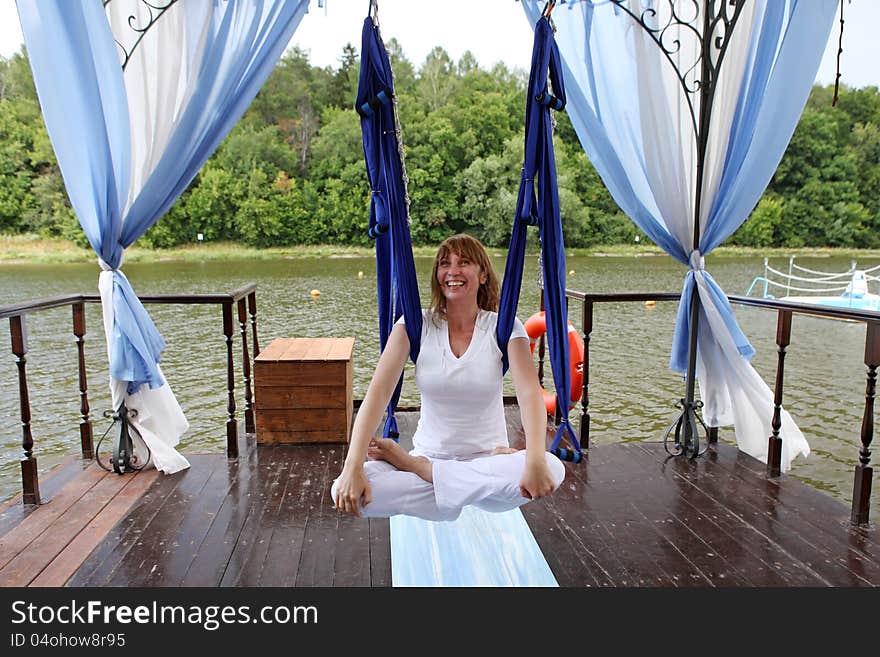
{"x":685,"y":431}
{"x":140,"y":26}
{"x":696,"y":20}
{"x":129,"y":452}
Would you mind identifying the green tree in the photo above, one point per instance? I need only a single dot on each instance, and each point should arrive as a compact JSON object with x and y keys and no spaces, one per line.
{"x":292,"y":171}
{"x":759,"y":230}
{"x":51,"y":214}
{"x":605,"y":223}
{"x":15,"y":78}
{"x":490,"y":185}
{"x":437,"y":79}
{"x":402,"y":69}
{"x":814,"y":143}
{"x":213,"y":204}
{"x":171,"y":230}
{"x":248,"y":147}
{"x":23,"y":154}
{"x":343,"y":89}
{"x":338,"y":143}
{"x":292,"y":99}
{"x":865,"y":143}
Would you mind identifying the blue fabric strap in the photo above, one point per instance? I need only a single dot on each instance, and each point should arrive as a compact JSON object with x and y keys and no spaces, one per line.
{"x":390,"y":429}
{"x":543,"y":210}
{"x":397,"y":285}
{"x":551,"y":101}
{"x":369,"y":108}
{"x":565,"y":427}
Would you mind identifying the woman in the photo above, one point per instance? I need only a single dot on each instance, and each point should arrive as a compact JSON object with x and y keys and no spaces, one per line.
{"x":461,"y":455}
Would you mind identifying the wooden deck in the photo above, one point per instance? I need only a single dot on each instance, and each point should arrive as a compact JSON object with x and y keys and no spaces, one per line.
{"x":627,"y":517}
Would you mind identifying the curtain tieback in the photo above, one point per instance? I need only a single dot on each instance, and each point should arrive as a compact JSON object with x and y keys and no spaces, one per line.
{"x":106,"y":267}
{"x":697,"y":261}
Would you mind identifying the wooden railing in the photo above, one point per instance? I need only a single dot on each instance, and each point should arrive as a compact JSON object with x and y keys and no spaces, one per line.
{"x":785,"y":311}
{"x":245,"y":301}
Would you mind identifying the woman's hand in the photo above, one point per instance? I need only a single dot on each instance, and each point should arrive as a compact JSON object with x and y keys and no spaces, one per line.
{"x":536,"y":481}
{"x":352,"y":486}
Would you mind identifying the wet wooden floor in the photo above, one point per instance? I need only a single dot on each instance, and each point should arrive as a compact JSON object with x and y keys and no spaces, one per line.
{"x":626,"y":517}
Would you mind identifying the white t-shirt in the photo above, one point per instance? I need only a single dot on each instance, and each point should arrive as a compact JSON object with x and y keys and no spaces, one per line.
{"x":462,"y":412}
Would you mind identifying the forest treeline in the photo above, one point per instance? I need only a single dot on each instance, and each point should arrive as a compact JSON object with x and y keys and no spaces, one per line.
{"x":292,"y":170}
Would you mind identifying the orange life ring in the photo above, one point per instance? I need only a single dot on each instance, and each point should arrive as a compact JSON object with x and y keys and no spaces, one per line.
{"x":536,"y":326}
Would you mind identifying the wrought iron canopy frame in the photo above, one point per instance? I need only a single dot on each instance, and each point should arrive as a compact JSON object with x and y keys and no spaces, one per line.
{"x":711,"y":24}
{"x":155,"y":11}
{"x":686,"y":20}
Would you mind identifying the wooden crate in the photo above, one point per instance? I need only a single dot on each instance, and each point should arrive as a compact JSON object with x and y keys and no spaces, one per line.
{"x":303,"y":391}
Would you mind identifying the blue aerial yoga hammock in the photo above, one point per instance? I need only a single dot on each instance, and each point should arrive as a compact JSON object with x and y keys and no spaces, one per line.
{"x":539,"y":164}
{"x":389,"y":224}
{"x":475,"y":550}
{"x":398,"y":289}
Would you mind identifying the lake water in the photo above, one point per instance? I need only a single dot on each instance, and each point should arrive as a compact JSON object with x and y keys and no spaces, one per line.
{"x":632,"y":391}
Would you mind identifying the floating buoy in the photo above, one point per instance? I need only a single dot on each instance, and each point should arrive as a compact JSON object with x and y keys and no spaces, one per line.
{"x":315,"y":293}
{"x":360,"y":274}
{"x":650,"y":303}
{"x":571,"y":273}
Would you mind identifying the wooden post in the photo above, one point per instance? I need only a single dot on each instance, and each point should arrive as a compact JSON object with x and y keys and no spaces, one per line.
{"x":30,"y":482}
{"x":774,"y":446}
{"x":862,"y":482}
{"x":246,"y":367}
{"x":252,"y":310}
{"x":585,"y":392}
{"x":231,"y":422}
{"x":85,"y":423}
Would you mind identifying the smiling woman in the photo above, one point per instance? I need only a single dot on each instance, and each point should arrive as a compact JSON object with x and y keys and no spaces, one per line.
{"x":461,"y":266}
{"x":461,"y":454}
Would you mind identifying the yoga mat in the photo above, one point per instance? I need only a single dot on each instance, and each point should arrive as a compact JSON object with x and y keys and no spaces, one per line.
{"x":477,"y":549}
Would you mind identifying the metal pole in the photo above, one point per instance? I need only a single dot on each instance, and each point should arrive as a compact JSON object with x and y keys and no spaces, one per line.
{"x":718,"y":21}
{"x":691,"y":436}
{"x":691,"y":446}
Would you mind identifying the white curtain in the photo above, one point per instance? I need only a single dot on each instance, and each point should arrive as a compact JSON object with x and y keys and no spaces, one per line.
{"x":634,"y":101}
{"x":129,"y":144}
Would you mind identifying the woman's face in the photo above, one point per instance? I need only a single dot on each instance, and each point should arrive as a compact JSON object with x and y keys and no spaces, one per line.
{"x":459,"y":277}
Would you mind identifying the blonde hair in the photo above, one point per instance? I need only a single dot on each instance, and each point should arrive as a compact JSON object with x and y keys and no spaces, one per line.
{"x":465,"y":246}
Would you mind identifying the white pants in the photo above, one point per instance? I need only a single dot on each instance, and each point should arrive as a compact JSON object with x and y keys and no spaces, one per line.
{"x":490,"y":483}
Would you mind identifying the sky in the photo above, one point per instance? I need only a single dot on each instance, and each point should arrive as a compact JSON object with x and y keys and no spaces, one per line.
{"x":496,"y":30}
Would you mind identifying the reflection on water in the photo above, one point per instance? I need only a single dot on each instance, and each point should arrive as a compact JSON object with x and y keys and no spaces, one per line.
{"x":632,"y":391}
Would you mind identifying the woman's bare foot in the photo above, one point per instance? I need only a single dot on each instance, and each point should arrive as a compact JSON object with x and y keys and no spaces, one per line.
{"x":504,"y":450}
{"x":385,"y":449}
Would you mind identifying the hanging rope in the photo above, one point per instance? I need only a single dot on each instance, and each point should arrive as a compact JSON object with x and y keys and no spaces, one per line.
{"x":839,"y":52}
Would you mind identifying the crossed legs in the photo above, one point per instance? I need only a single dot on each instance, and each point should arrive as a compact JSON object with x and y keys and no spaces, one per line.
{"x":403,"y":483}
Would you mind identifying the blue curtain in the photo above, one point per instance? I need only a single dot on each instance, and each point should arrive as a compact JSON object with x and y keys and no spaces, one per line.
{"x":638,"y":122}
{"x":79,"y":80}
{"x":784,"y":50}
